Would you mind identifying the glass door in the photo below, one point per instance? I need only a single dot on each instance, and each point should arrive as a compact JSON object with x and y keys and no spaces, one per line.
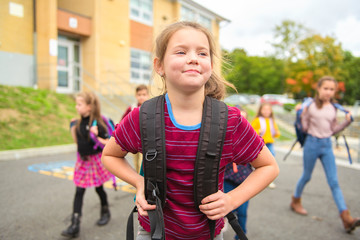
{"x":68,"y":66}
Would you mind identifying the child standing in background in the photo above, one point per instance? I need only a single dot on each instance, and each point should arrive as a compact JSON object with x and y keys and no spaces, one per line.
{"x":89,"y":171}
{"x":265,"y":125}
{"x":233,"y":177}
{"x":141,"y":95}
{"x":319,"y":121}
{"x":184,"y":59}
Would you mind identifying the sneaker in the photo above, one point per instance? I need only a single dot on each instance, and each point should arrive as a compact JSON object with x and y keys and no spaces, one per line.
{"x":272,"y":185}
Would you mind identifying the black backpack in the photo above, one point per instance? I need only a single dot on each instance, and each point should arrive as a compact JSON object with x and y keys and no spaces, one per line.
{"x":212,"y":135}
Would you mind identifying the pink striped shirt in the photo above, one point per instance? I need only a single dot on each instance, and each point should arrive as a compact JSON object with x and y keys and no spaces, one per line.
{"x":182,"y":218}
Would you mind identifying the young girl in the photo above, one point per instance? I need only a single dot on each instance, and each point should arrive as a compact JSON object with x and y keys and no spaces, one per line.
{"x":319,"y":121}
{"x":89,"y":171}
{"x":265,"y":125}
{"x":184,"y":59}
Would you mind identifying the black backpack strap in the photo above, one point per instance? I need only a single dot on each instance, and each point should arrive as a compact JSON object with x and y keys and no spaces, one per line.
{"x":232,"y":219}
{"x":130,"y":225}
{"x":154,"y":161}
{"x":211,"y":140}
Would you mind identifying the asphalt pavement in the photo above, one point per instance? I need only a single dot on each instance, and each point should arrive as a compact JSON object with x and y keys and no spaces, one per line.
{"x":37,"y":193}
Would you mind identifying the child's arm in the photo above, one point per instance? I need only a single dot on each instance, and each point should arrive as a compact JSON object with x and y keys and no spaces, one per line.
{"x":95,"y":130}
{"x":114,"y":160}
{"x":73,"y":129}
{"x":219,"y":204}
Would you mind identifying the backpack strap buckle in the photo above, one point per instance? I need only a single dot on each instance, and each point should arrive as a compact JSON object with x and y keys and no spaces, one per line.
{"x":150,"y":155}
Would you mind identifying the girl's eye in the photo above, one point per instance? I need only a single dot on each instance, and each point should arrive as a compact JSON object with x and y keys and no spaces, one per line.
{"x":203,"y":54}
{"x":180,"y":52}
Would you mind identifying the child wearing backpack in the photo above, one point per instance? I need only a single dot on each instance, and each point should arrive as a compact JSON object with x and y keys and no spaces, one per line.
{"x":88,"y":171}
{"x":184,"y":58}
{"x":265,"y":125}
{"x":141,"y":95}
{"x":319,"y":122}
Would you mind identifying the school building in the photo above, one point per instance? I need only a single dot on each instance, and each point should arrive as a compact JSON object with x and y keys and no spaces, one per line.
{"x":101,"y":45}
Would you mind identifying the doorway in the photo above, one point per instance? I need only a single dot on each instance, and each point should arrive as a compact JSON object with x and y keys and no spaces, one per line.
{"x":68,"y":65}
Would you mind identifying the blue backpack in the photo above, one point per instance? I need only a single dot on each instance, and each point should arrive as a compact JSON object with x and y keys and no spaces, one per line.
{"x":301,"y":134}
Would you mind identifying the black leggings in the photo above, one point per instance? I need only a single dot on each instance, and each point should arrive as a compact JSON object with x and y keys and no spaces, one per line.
{"x":79,"y":196}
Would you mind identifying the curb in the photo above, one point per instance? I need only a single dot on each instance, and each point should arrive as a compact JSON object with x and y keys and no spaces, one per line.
{"x":339,"y":161}
{"x":34,"y":152}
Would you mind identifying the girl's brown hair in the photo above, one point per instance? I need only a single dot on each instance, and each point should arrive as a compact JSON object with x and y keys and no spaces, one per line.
{"x":319,"y":103}
{"x":216,"y":85}
{"x":261,"y":107}
{"x":91,"y":99}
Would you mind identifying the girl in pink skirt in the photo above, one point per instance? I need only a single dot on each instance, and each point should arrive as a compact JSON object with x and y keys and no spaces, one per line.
{"x":89,"y":171}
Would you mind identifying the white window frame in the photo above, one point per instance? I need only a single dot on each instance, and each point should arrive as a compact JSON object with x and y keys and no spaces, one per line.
{"x":198,"y":15}
{"x":70,"y":67}
{"x":140,"y":71}
{"x":142,"y":10}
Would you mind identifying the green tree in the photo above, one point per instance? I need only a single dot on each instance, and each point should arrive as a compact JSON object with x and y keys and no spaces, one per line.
{"x":351,"y":74}
{"x":319,"y":56}
{"x":252,"y":74}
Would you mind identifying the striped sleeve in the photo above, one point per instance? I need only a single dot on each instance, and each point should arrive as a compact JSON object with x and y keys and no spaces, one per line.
{"x":246,"y":143}
{"x":127,"y":132}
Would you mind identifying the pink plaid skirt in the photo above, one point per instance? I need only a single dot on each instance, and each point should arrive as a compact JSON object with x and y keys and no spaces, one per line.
{"x":90,"y":173}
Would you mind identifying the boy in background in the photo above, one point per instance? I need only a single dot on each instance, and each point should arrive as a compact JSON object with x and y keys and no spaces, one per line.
{"x":141,"y":95}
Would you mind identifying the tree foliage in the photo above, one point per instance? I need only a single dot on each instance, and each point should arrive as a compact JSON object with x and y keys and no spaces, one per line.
{"x":300,"y":59}
{"x":252,"y":74}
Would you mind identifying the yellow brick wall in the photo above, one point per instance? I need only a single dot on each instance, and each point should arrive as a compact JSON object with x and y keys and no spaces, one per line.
{"x":16,"y":33}
{"x":114,"y":46}
{"x":46,"y":30}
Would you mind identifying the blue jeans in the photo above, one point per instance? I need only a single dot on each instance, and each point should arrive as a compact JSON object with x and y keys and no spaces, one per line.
{"x":241,"y":211}
{"x":315,"y":148}
{"x":271,"y":148}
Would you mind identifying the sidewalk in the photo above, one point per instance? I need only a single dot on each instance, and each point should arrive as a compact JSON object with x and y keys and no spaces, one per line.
{"x":280,"y":146}
{"x":34,"y":152}
{"x":340,"y":153}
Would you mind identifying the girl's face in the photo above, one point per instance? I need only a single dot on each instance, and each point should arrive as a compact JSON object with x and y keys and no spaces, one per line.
{"x":82,"y":108}
{"x":187,"y":63}
{"x":266,"y":111}
{"x":327,"y":90}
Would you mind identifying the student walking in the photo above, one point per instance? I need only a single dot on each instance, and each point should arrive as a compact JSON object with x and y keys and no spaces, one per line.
{"x":141,"y":95}
{"x":233,"y":177}
{"x":89,"y":171}
{"x":319,"y":121}
{"x":265,"y":125}
{"x":184,"y":59}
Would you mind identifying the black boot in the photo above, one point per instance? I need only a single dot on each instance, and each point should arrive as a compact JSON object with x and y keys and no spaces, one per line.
{"x":74,"y":229}
{"x":104,"y":215}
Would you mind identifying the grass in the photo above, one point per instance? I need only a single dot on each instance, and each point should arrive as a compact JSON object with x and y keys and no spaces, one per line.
{"x":34,"y":118}
{"x":37,"y":118}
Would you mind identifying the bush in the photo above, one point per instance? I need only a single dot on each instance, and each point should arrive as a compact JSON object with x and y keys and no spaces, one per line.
{"x":289,"y":107}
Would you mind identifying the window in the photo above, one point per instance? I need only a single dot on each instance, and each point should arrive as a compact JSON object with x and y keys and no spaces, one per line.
{"x":141,"y":11}
{"x":189,"y":14}
{"x":140,"y":66}
{"x":205,"y":21}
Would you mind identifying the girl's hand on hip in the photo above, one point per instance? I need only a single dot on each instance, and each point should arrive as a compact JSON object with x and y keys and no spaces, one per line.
{"x":216,"y":206}
{"x":348,"y":116}
{"x":141,"y":203}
